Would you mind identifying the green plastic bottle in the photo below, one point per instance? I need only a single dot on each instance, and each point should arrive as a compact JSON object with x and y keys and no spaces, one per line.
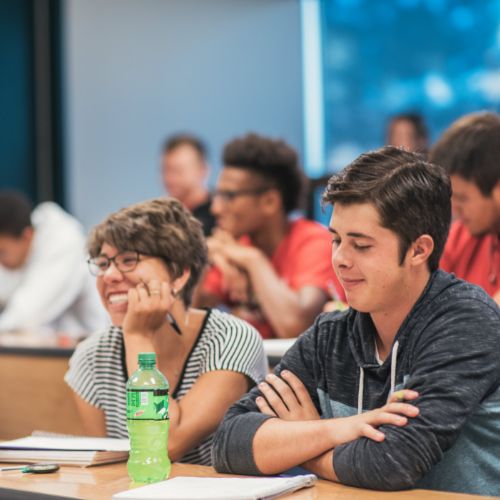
{"x":148,"y":422}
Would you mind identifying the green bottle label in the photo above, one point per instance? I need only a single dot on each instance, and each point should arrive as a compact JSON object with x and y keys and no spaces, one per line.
{"x":147,"y":404}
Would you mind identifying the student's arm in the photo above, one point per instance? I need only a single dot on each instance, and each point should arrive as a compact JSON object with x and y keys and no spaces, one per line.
{"x":200,"y":411}
{"x":233,"y":450}
{"x":275,"y":450}
{"x":93,"y":419}
{"x":228,"y":368}
{"x":286,"y":397}
{"x":455,"y":367}
{"x":288,"y":311}
{"x":223,"y":282}
{"x":251,"y":442}
{"x":81,"y":378}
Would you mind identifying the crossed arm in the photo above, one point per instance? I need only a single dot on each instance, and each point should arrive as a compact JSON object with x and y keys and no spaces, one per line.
{"x":299,"y":437}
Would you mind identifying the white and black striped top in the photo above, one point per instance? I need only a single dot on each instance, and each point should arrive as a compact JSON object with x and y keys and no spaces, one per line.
{"x":97,"y":370}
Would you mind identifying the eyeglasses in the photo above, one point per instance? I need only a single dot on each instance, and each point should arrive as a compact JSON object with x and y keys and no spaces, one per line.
{"x":125,"y":262}
{"x":227,"y":196}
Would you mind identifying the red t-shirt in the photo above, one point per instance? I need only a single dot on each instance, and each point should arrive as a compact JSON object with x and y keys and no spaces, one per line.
{"x":302,"y":259}
{"x":473,"y":259}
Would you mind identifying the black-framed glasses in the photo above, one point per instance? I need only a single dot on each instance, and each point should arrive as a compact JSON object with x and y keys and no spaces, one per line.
{"x":228,"y":195}
{"x":125,"y":262}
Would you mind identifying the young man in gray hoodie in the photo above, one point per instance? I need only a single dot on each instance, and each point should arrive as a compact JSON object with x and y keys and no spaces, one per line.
{"x":410,"y":326}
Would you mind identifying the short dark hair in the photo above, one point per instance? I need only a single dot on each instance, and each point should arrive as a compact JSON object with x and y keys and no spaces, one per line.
{"x":178,"y":140}
{"x":161,"y":227}
{"x":274,"y":160}
{"x":15,"y":213}
{"x":411,"y":195}
{"x":470,"y":148}
{"x":417,"y":121}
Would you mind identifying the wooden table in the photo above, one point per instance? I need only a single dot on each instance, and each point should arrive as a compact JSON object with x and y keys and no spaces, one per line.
{"x":103,"y":481}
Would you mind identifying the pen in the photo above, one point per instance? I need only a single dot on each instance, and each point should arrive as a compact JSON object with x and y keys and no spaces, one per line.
{"x":174,"y":324}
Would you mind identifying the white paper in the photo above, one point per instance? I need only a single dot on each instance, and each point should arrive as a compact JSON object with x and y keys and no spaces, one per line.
{"x":195,"y":488}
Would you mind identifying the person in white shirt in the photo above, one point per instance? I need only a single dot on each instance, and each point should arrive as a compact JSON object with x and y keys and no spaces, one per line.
{"x":44,"y":283}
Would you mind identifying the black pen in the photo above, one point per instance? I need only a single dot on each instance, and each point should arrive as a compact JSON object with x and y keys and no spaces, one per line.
{"x":174,"y":324}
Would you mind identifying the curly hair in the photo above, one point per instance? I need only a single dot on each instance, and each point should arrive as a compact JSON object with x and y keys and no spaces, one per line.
{"x":274,"y":160}
{"x":161,"y":227}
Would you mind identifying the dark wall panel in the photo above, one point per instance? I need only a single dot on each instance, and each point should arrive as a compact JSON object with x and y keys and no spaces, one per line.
{"x":17,"y":162}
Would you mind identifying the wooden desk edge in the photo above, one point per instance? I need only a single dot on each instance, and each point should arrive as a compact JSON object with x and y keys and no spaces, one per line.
{"x":103,"y":481}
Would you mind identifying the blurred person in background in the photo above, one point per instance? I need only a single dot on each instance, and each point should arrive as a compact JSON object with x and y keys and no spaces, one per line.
{"x":268,"y":267}
{"x":147,"y":259}
{"x":470,"y":151}
{"x":408,"y":131}
{"x":44,"y":283}
{"x":184,"y":171}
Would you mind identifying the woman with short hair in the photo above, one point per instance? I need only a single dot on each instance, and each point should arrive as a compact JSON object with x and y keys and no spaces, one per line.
{"x":147,"y":259}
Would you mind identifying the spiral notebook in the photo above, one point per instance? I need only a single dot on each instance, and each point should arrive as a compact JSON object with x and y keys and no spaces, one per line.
{"x":80,"y":451}
{"x":211,"y":488}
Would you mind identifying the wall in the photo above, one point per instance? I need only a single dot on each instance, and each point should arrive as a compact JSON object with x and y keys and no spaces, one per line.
{"x":17,"y":141}
{"x":136,"y":71}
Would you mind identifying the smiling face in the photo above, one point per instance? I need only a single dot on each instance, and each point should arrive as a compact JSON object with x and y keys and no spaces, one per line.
{"x":113,"y":285}
{"x":366,"y":258}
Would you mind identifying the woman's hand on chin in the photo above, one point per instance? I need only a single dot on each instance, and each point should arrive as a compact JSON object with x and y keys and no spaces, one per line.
{"x":148,"y":305}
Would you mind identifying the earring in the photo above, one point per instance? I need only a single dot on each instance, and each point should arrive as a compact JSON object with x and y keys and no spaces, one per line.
{"x":174,"y":292}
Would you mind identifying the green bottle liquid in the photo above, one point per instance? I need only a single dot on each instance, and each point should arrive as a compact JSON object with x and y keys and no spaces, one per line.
{"x":147,"y":422}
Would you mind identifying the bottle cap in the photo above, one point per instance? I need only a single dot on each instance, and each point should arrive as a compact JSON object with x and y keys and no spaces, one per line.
{"x":147,"y":358}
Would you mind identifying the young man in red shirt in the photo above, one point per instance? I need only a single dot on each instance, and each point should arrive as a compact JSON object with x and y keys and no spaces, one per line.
{"x":268,"y":267}
{"x":470,"y":151}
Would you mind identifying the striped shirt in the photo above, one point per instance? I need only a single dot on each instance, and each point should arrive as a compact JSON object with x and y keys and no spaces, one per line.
{"x":98,"y":374}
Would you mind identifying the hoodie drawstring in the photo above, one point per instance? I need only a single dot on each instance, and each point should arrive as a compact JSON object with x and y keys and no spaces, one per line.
{"x":361,"y":389}
{"x":394,"y":358}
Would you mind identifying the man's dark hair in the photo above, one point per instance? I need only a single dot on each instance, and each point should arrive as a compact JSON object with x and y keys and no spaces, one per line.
{"x":178,"y":140}
{"x":15,"y":213}
{"x":273,"y":160}
{"x":470,"y":148}
{"x":411,"y":195}
{"x":417,"y":121}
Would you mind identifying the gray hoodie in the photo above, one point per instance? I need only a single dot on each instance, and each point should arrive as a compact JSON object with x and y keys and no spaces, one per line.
{"x":447,"y":349}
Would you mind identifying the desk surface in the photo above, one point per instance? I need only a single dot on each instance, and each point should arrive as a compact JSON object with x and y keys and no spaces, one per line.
{"x":103,"y":481}
{"x":32,"y":344}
